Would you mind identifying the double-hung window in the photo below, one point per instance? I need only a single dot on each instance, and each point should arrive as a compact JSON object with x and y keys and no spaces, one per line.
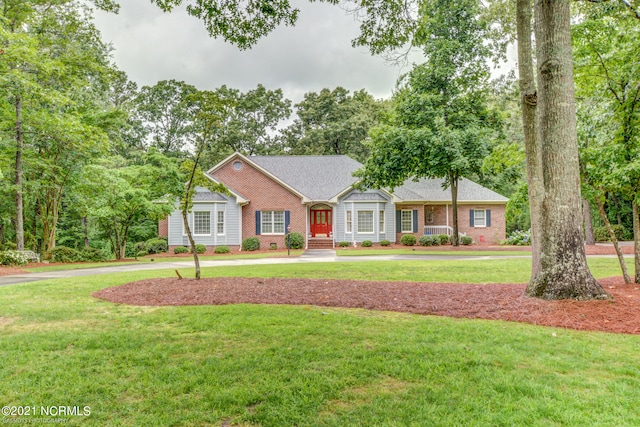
{"x":349,"y":222}
{"x":381,"y":223}
{"x":365,"y":222}
{"x":406,"y":221}
{"x":201,"y":223}
{"x":272,"y":222}
{"x":480,"y":218}
{"x":220,"y":223}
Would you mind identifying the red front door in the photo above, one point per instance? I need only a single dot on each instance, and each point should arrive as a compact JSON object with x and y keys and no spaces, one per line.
{"x":320,"y":223}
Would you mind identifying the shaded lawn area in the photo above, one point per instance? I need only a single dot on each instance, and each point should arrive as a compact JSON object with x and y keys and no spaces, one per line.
{"x":307,"y":365}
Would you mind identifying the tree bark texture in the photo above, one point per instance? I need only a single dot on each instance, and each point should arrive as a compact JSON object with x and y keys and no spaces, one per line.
{"x":18,"y":199}
{"x":564,"y":272}
{"x":614,"y":240}
{"x":589,"y":237}
{"x":528,"y":97}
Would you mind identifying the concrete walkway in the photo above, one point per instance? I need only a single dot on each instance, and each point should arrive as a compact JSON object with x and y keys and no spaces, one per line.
{"x":309,"y":256}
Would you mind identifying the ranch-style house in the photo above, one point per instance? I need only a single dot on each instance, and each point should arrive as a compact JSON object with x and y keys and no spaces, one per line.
{"x":314,"y":195}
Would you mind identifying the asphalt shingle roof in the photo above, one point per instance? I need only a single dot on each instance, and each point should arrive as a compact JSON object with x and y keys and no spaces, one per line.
{"x":204,"y":195}
{"x":431,"y":190}
{"x":321,"y":178}
{"x":317,"y":177}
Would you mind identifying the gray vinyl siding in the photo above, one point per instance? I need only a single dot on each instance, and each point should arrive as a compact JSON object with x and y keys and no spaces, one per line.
{"x":232,"y":227}
{"x":378,"y":202}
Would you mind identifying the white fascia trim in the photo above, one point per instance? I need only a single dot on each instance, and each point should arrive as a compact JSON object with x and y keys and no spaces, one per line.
{"x":336,"y":198}
{"x":241,"y":200}
{"x":261,"y":169}
{"x":448,"y":202}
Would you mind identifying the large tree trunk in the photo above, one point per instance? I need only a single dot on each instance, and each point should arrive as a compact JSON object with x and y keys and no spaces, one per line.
{"x":528,"y":97}
{"x":18,"y":198}
{"x":614,"y":240}
{"x":589,"y":237}
{"x":564,"y":272}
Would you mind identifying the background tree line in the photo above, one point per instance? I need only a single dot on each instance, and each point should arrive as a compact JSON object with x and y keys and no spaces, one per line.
{"x":85,"y":154}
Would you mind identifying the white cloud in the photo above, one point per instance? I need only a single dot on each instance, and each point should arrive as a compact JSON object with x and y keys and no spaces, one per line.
{"x":151,"y":46}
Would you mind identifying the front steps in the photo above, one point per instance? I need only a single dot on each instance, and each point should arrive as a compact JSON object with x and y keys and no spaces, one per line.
{"x":320,"y":243}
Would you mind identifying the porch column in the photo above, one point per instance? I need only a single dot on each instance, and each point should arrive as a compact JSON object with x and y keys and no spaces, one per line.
{"x":447,"y":210}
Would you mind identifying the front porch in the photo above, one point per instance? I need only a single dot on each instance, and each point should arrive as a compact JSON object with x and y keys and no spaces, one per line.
{"x":437,"y":220}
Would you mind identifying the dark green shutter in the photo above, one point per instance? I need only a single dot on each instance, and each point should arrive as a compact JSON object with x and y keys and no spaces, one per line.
{"x":415,"y":220}
{"x":488,"y":217}
{"x":258,"y":223}
{"x":287,"y":220}
{"x":399,"y":221}
{"x":471,"y":219}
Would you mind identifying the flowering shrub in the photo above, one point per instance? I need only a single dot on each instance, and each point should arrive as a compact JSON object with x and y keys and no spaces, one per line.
{"x":518,"y":238}
{"x":13,"y":258}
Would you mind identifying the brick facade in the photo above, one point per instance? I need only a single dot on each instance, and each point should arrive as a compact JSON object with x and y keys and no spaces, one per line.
{"x":264,"y":194}
{"x":481,"y":235}
{"x":163,"y":228}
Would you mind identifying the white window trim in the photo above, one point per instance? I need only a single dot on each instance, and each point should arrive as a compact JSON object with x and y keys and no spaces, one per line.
{"x":224,"y":223}
{"x":402,"y":229}
{"x":193,"y":223}
{"x":273,"y":223}
{"x":348,"y":222}
{"x":475,"y":224}
{"x":373,"y":223}
{"x":382,"y":225}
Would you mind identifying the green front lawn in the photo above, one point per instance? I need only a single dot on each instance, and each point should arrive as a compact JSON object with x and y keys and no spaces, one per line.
{"x":419,"y":251}
{"x":308,"y":366}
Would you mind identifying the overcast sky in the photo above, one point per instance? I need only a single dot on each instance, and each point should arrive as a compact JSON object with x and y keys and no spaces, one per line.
{"x":151,"y":46}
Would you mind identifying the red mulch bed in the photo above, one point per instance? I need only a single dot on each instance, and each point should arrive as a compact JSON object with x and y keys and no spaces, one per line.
{"x":495,"y":301}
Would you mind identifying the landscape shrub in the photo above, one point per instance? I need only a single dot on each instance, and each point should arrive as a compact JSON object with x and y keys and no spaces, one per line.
{"x":466,"y":240}
{"x":385,"y":243}
{"x":251,"y":244}
{"x":602,"y":235}
{"x":92,"y":254}
{"x":425,"y":240}
{"x":518,"y":238}
{"x":222,"y":249}
{"x":156,"y":246}
{"x":366,"y":243}
{"x":296,"y":240}
{"x":140,"y":246}
{"x":12,"y":258}
{"x":180,"y":250}
{"x":129,"y":250}
{"x":200,"y":248}
{"x":65,"y":254}
{"x":142,"y":253}
{"x":444,"y":239}
{"x":408,"y":240}
{"x":344,"y":244}
{"x":9,"y":246}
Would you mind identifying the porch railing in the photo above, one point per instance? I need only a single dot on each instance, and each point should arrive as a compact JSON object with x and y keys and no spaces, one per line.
{"x":440,"y":229}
